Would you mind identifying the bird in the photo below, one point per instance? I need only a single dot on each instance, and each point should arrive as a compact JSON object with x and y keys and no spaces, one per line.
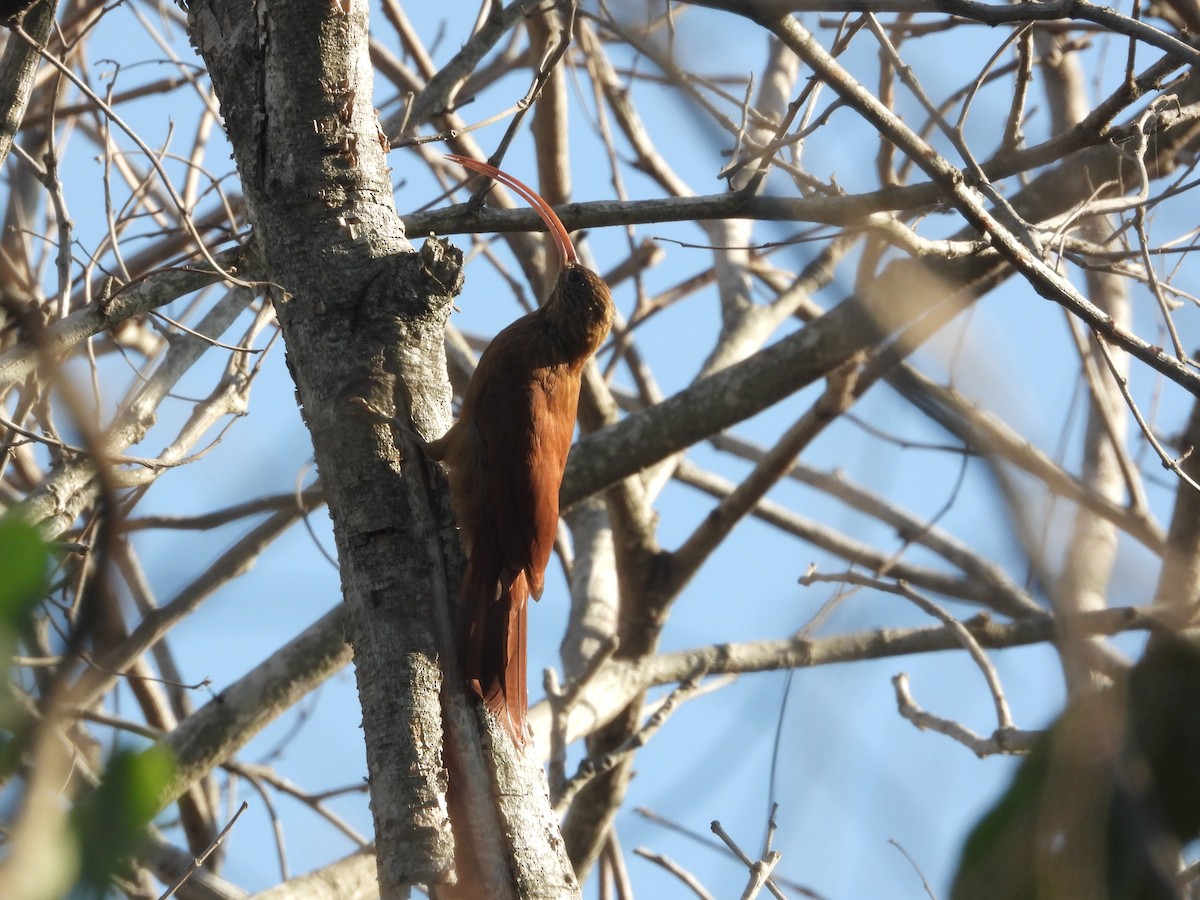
{"x":505,"y":456}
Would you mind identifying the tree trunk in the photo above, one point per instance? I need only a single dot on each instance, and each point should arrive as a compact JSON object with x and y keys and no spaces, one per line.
{"x":363,"y":316}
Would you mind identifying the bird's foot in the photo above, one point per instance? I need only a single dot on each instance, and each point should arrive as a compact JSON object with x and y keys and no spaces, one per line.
{"x":364,"y":408}
{"x":369,"y":411}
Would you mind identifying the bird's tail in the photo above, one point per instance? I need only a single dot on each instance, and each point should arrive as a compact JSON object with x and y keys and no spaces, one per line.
{"x":491,"y":645}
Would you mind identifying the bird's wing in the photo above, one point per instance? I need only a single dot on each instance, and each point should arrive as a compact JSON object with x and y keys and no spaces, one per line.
{"x":526,"y":448}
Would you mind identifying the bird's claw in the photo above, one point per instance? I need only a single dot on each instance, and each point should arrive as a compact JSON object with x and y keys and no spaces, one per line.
{"x":369,"y":411}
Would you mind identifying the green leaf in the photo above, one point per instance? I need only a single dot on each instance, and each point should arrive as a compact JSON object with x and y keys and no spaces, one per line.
{"x":110,"y":823}
{"x":996,"y":854}
{"x":24,"y":576}
{"x":24,"y":573}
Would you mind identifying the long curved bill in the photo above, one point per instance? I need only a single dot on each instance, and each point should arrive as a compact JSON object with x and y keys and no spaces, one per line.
{"x":557,"y":230}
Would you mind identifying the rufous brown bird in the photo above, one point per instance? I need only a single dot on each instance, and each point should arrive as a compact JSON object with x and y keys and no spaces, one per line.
{"x":505,"y":457}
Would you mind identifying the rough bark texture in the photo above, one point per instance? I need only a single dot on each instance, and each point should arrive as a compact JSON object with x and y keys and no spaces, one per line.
{"x":19,"y":65}
{"x":295,"y":89}
{"x":364,"y":315}
{"x":1179,"y":581}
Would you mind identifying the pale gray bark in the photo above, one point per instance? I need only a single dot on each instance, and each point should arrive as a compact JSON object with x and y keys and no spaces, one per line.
{"x":363,"y":315}
{"x":1179,"y":582}
{"x":350,"y":878}
{"x":1092,"y":550}
{"x":215,"y":732}
{"x":17,"y":70}
{"x":594,"y":589}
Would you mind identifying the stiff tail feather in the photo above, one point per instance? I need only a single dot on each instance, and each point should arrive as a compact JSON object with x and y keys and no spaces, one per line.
{"x":492,"y":636}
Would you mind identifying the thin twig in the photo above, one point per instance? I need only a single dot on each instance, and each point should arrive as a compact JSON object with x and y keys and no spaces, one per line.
{"x":689,"y":880}
{"x":199,"y":861}
{"x":591,"y":768}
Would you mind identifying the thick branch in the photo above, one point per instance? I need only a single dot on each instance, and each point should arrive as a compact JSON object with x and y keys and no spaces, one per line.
{"x":617,"y":682}
{"x":974,"y":10}
{"x":18,"y":68}
{"x":150,"y":292}
{"x":216,"y":731}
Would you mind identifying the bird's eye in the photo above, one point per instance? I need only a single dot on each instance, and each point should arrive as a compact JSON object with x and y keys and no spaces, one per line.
{"x":575,"y":276}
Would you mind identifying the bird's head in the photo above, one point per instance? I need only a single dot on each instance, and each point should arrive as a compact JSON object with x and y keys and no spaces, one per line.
{"x":580,"y":304}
